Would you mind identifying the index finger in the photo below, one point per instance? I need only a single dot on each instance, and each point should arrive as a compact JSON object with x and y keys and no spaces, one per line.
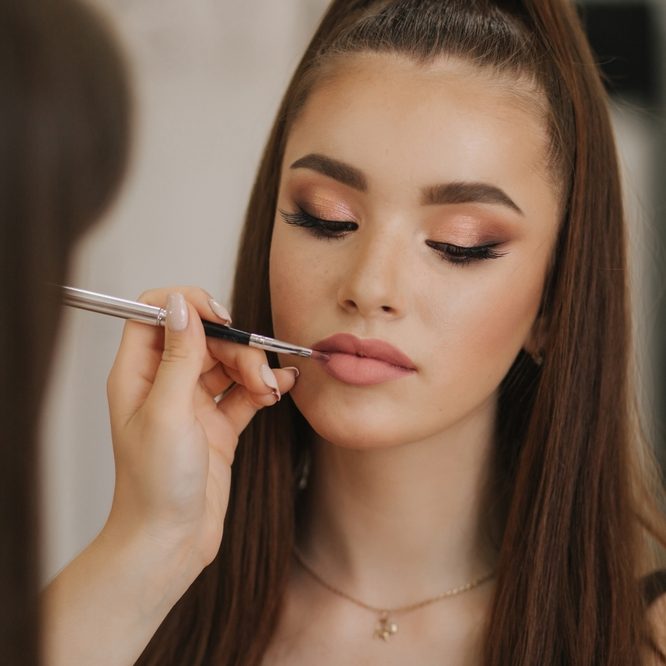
{"x":240,"y":359}
{"x":140,"y":352}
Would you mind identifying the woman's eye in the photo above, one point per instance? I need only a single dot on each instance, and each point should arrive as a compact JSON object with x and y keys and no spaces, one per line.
{"x":459,"y":254}
{"x":318,"y":227}
{"x":330,"y":229}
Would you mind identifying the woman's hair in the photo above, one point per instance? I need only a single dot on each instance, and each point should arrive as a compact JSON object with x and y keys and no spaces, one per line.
{"x":64,"y":136}
{"x":573,"y":488}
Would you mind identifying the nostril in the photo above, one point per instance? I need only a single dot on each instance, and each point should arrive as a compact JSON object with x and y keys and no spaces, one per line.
{"x":387,"y":308}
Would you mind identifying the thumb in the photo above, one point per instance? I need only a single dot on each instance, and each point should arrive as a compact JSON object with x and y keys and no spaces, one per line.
{"x":182,"y":358}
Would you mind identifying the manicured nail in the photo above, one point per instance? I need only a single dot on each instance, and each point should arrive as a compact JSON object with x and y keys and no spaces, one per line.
{"x":219,"y":310}
{"x":177,"y":312}
{"x":270,"y":380}
{"x":294,"y":369}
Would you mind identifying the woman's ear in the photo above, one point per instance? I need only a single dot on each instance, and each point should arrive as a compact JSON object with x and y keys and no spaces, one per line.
{"x":536,"y":340}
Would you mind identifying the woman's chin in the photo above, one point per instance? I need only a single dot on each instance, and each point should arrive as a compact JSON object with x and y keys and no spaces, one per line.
{"x":352,"y":424}
{"x":359,"y":434}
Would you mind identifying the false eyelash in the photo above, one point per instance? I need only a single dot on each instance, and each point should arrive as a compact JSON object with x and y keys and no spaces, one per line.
{"x":332,"y":229}
{"x":318,"y":227}
{"x":461,"y":255}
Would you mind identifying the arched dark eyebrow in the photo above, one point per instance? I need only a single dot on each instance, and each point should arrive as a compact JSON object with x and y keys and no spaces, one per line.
{"x":462,"y":192}
{"x":343,"y":173}
{"x":434,"y":195}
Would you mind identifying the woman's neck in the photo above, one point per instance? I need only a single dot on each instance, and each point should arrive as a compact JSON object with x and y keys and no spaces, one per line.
{"x":391,"y":525}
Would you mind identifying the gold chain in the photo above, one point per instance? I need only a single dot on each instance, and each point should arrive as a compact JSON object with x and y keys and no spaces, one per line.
{"x":385,"y":626}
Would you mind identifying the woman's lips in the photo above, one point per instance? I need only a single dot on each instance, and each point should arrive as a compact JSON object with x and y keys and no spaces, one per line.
{"x":363,"y":362}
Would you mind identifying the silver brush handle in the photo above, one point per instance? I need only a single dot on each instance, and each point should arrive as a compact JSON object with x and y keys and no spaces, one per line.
{"x":116,"y":307}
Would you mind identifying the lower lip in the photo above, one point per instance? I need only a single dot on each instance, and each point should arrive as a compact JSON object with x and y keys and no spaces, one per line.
{"x":362,"y":371}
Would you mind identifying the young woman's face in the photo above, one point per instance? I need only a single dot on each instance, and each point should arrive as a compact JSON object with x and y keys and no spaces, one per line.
{"x":416,"y":214}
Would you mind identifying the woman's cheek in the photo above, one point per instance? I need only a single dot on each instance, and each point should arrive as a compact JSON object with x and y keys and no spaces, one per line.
{"x":280,"y":278}
{"x":295,"y":284}
{"x":508,"y":316}
{"x":485,"y":324}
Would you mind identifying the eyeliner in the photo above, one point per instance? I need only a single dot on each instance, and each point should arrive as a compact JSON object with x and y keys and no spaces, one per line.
{"x":151,"y":314}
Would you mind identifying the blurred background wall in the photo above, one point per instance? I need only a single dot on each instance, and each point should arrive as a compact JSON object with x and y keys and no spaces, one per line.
{"x":208,"y":77}
{"x":629,"y":38}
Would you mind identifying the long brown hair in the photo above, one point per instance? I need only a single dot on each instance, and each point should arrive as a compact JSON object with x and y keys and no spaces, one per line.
{"x":64,"y":117}
{"x":578,"y":509}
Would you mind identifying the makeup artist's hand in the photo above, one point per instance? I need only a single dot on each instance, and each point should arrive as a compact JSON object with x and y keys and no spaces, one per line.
{"x":173,"y":447}
{"x":173,"y":443}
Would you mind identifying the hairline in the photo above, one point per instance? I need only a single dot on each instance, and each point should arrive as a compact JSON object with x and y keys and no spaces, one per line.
{"x":519,"y":83}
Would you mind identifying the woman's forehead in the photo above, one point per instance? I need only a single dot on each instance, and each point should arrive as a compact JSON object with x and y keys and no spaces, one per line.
{"x":511,"y":85}
{"x":445,"y":119}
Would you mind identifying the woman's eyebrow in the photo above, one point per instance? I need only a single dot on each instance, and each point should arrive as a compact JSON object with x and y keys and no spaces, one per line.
{"x":445,"y":193}
{"x":466,"y":192}
{"x":343,"y":173}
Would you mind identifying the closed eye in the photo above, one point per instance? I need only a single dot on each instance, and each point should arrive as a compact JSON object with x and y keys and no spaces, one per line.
{"x":318,"y":227}
{"x":460,"y":254}
{"x":334,"y":229}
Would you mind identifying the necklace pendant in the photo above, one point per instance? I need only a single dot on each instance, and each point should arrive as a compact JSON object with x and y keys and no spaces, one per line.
{"x":385,"y":627}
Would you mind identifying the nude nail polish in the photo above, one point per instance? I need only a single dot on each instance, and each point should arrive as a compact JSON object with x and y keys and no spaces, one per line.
{"x":177,"y":312}
{"x":270,"y":380}
{"x":294,"y":369}
{"x":219,"y":311}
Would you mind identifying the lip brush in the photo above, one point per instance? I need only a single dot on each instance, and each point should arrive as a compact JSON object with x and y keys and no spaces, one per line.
{"x":151,"y":314}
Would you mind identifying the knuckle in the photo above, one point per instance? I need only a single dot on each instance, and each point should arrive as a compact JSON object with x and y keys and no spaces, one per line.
{"x":252,"y":401}
{"x":197,"y":291}
{"x":175,"y":354}
{"x":148,"y":295}
{"x":251,"y":359}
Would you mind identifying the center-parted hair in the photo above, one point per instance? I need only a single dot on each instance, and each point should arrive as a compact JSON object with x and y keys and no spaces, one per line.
{"x":572,"y":486}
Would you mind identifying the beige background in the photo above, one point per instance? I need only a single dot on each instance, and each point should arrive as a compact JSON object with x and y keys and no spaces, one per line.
{"x":208,"y":76}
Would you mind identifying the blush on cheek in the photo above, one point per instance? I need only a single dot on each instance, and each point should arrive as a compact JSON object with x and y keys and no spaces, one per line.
{"x":509,"y":320}
{"x":491,"y":325}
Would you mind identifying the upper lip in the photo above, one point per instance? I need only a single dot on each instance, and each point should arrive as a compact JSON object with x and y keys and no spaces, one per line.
{"x":346,"y":343}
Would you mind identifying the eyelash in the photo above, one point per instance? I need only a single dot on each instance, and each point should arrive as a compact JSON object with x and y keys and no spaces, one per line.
{"x":334,"y":229}
{"x":329,"y":229}
{"x":461,"y":255}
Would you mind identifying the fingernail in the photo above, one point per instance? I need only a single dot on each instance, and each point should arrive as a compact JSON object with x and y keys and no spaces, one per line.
{"x":294,"y":369}
{"x":177,"y":312}
{"x":270,"y":380}
{"x":219,"y":310}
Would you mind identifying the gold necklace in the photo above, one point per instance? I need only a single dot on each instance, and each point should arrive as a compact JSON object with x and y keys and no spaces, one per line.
{"x":386,"y":626}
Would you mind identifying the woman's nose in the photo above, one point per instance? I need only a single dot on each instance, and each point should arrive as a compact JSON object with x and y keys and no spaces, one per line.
{"x":373,"y":283}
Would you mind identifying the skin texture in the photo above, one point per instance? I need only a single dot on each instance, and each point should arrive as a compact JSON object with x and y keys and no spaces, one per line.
{"x":396,"y":504}
{"x":173,"y":448}
{"x":462,"y":325}
{"x":400,"y":468}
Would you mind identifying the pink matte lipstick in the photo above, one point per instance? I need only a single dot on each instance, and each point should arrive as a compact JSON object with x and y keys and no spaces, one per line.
{"x":363,"y":362}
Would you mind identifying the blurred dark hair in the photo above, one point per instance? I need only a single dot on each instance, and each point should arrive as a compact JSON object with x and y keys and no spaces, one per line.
{"x":64,"y":137}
